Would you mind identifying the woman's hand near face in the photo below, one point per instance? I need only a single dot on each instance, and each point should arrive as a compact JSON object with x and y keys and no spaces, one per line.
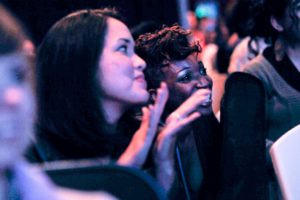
{"x":164,"y":148}
{"x":200,"y":98}
{"x":182,"y":116}
{"x":138,"y":149}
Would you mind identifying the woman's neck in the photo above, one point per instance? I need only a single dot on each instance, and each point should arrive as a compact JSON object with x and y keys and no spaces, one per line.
{"x":113,"y":111}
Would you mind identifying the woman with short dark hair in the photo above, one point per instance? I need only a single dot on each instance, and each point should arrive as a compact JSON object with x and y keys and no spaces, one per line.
{"x":173,"y":58}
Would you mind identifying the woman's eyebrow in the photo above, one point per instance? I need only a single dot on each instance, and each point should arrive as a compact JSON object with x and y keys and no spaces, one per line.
{"x":126,"y":40}
{"x":180,"y":70}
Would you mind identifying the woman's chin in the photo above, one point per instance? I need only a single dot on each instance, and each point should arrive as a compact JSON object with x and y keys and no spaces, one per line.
{"x":7,"y":159}
{"x":140,"y":100}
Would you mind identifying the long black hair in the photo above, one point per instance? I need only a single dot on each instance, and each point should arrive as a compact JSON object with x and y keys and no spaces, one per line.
{"x":68,"y":90}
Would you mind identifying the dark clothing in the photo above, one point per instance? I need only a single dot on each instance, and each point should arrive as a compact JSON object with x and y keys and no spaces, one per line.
{"x":205,"y":136}
{"x":50,"y":146}
{"x":201,"y":145}
{"x":285,"y":68}
{"x":281,"y":81}
{"x":208,"y":139}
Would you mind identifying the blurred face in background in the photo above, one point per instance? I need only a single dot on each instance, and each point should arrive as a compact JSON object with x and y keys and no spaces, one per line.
{"x":16,"y":108}
{"x":208,"y":27}
{"x":289,"y":23}
{"x":292,"y":21}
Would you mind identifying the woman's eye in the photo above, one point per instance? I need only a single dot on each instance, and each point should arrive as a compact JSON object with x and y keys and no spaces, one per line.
{"x":123,"y":49}
{"x":185,"y":78}
{"x":19,"y":74}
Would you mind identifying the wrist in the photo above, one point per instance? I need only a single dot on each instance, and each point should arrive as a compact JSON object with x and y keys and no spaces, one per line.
{"x":164,"y":148}
{"x":165,"y":173}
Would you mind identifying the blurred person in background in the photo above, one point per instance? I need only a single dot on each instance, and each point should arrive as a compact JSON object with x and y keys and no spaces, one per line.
{"x":278,"y":68}
{"x":253,"y":37}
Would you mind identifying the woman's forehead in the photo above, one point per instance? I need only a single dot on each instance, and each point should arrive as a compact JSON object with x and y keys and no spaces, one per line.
{"x":187,"y":62}
{"x":117,"y":29}
{"x":177,"y":66}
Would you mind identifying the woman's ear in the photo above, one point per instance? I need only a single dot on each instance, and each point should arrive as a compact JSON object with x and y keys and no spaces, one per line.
{"x":276,"y":25}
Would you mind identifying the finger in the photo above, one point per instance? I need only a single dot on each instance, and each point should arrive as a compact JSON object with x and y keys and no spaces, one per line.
{"x":146,"y":130}
{"x":145,"y":119}
{"x":179,"y":125}
{"x":189,"y":119}
{"x":151,"y":116}
{"x":175,"y":126}
{"x":203,"y":93}
{"x":162,"y":97}
{"x":199,"y":98}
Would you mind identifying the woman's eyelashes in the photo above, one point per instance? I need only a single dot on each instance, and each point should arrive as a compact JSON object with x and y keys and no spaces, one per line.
{"x":18,"y":74}
{"x":126,"y":48}
{"x":185,"y":76}
{"x":123,"y":49}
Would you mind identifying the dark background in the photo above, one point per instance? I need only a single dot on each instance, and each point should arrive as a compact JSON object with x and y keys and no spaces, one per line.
{"x":39,"y":15}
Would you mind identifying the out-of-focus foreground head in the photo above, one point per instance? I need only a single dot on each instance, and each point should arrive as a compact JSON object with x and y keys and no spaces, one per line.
{"x":16,"y":99}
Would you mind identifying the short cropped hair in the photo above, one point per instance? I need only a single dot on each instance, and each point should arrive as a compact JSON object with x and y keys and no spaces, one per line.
{"x":171,"y":43}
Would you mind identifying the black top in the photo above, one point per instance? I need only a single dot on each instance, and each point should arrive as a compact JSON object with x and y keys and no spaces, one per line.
{"x":54,"y":147}
{"x":285,"y":68}
{"x":206,"y":130}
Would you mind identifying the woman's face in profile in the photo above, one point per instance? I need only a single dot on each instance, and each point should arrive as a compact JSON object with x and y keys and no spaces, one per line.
{"x":291,"y":22}
{"x":120,"y":69}
{"x":183,"y":78}
{"x":16,"y":108}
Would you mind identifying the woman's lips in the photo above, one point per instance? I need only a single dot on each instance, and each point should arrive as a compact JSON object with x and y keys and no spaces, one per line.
{"x":140,"y":79}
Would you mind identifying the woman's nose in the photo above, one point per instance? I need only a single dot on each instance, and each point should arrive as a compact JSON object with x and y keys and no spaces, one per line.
{"x":138,"y":62}
{"x":204,"y":82}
